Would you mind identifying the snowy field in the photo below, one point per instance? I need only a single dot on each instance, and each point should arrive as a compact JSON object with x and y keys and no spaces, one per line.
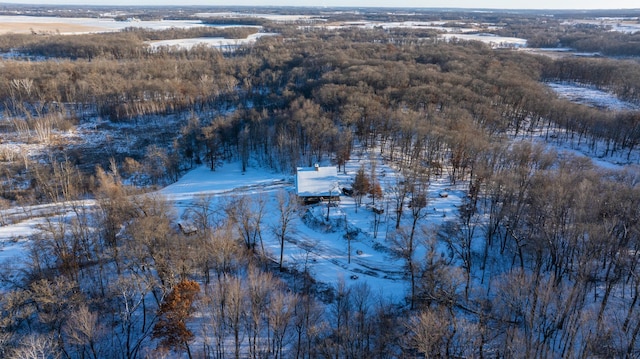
{"x":592,"y":96}
{"x":65,"y":26}
{"x":442,"y":26}
{"x":216,"y":42}
{"x":74,"y":26}
{"x":559,"y":52}
{"x":271,"y":17}
{"x":492,"y":40}
{"x":619,"y":24}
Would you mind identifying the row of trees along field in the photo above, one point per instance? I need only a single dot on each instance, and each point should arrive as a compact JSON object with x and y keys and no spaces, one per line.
{"x":540,"y":260}
{"x":546,"y":32}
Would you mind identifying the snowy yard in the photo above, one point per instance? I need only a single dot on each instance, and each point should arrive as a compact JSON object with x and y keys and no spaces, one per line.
{"x":323,"y":251}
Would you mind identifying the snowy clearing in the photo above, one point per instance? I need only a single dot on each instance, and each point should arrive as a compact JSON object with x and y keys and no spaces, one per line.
{"x":619,"y":24}
{"x":216,"y":42}
{"x":272,"y":17}
{"x":492,"y":40}
{"x":592,"y":96}
{"x":323,"y":250}
{"x":70,"y":26}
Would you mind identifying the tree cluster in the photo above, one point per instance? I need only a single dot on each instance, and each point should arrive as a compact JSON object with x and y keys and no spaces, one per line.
{"x":546,"y":32}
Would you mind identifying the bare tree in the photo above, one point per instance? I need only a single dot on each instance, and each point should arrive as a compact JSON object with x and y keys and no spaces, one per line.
{"x":212,"y":142}
{"x":224,"y":252}
{"x":260,"y":205}
{"x":153,"y":242}
{"x":260,"y":287}
{"x":405,"y":247}
{"x":287,"y":207}
{"x":281,"y":311}
{"x":247,"y":212}
{"x":244,"y":147}
{"x":309,"y":326}
{"x":36,"y":347}
{"x":418,"y":203}
{"x":53,"y":302}
{"x":233,"y":308}
{"x":84,"y":332}
{"x":133,"y":322}
{"x":399,"y":192}
{"x":115,"y":207}
{"x":428,"y":330}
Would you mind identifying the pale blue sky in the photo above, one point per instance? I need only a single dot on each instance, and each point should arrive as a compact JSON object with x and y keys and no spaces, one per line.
{"x":484,"y":4}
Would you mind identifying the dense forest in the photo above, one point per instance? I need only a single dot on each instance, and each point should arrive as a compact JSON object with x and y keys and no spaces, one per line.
{"x":554,"y":276}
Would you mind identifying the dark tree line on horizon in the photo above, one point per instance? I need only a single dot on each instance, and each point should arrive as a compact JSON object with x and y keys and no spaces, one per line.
{"x":540,"y":260}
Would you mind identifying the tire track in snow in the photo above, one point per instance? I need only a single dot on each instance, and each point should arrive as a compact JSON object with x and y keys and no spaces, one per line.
{"x":339,"y":258}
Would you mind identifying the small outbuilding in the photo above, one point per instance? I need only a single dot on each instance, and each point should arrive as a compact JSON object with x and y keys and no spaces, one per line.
{"x":317,"y":184}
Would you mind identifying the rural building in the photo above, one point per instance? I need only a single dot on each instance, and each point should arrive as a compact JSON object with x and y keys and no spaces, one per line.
{"x":316,"y":184}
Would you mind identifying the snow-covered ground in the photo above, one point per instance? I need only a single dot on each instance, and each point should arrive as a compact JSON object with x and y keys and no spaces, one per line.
{"x":619,"y":24}
{"x":217,"y":42}
{"x":559,"y":52}
{"x":272,"y":17}
{"x":25,"y":24}
{"x":492,"y":40}
{"x":323,"y":250}
{"x":69,"y":26}
{"x":592,"y":96}
{"x":433,"y":25}
{"x":569,"y":144}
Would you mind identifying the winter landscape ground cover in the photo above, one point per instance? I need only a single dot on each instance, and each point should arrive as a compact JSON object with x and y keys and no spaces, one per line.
{"x":322,"y":250}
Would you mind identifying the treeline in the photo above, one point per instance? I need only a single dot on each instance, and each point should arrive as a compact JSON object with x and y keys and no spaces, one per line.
{"x":294,"y":99}
{"x":85,"y":47}
{"x":547,"y":32}
{"x":617,"y":76}
{"x":604,"y":41}
{"x":152,"y":84}
{"x":201,"y":31}
{"x":127,"y":44}
{"x":243,"y":21}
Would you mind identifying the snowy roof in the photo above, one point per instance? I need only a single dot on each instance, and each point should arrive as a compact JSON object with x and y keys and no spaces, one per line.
{"x":316,"y":181}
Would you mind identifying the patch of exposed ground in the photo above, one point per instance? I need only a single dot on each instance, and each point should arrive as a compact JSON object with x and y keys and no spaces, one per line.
{"x":53,"y":27}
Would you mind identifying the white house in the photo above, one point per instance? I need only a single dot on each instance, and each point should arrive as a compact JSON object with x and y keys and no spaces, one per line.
{"x":316,"y":184}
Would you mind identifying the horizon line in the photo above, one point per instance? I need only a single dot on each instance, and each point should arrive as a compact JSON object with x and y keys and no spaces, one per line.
{"x":353,"y":7}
